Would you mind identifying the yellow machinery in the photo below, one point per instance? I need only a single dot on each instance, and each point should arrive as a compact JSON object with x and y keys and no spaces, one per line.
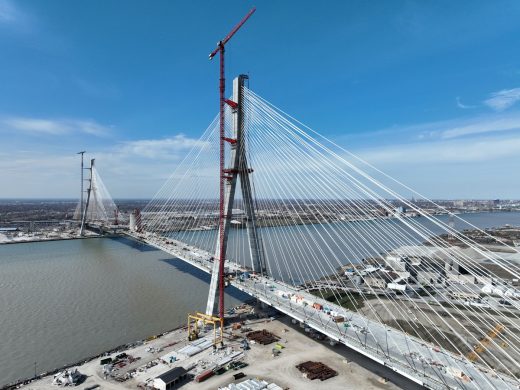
{"x":200,"y":319}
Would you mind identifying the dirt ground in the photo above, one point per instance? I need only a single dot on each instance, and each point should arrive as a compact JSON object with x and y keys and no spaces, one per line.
{"x":261,"y":364}
{"x":282,"y":371}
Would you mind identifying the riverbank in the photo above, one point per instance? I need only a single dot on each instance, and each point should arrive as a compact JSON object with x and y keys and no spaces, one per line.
{"x":121,"y":348}
{"x":39,"y":239}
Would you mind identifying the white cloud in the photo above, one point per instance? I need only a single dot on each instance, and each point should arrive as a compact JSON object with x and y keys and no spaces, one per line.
{"x":452,"y":128}
{"x":504,"y":99}
{"x":53,"y":126}
{"x":14,"y":19}
{"x":130,"y":169}
{"x":8,"y":12}
{"x":480,"y":138}
{"x":140,"y":167}
{"x":463,"y":106}
{"x":482,"y":125}
{"x":166,"y":148}
{"x":445,"y":152}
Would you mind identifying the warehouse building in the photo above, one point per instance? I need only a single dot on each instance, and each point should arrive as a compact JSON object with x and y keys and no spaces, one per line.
{"x":170,"y":379}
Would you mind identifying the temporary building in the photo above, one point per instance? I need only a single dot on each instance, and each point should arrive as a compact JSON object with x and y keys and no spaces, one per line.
{"x":170,"y":379}
{"x":249,"y":384}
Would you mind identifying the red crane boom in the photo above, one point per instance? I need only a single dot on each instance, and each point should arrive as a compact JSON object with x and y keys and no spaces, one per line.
{"x":223,"y":139}
{"x":231,"y":33}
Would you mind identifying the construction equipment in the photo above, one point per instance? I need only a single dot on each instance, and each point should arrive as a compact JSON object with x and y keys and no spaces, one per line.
{"x":244,"y":345}
{"x":198,"y":320}
{"x":193,"y":335}
{"x":221,"y":248}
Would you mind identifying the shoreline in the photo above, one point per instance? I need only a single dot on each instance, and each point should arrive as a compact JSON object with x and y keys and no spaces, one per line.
{"x":57,"y":239}
{"x":119,"y":348}
{"x":355,"y":220}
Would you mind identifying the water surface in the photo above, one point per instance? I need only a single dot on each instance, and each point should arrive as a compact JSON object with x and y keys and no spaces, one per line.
{"x":62,"y":301}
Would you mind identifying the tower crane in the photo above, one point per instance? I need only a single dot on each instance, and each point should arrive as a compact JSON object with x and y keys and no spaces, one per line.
{"x":220,"y":49}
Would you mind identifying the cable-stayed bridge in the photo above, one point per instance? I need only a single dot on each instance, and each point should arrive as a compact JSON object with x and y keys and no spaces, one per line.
{"x":99,"y":205}
{"x":321,"y":235}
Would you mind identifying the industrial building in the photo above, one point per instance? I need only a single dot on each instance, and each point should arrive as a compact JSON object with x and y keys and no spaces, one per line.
{"x":170,"y":379}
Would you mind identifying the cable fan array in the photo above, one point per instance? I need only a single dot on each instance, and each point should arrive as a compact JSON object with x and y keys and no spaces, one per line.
{"x":101,"y":206}
{"x":329,"y":224}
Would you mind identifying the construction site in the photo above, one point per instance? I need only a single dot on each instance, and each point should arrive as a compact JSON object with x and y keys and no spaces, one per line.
{"x":418,"y":304}
{"x":269,"y":352}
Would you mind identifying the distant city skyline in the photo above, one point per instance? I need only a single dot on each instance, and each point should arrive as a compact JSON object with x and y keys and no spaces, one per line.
{"x":427,"y":92}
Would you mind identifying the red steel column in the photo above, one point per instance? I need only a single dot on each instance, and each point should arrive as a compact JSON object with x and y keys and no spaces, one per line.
{"x":222,"y":184}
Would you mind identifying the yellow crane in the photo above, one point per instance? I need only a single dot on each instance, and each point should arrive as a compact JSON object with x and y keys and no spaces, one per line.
{"x":199,"y":319}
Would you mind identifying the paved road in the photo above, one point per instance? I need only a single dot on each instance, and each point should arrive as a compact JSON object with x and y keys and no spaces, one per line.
{"x":411,"y":357}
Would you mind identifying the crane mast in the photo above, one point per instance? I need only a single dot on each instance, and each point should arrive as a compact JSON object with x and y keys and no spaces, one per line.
{"x":220,"y":49}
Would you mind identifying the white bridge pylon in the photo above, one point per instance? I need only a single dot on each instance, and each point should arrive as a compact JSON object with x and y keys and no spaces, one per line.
{"x":342,"y":250}
{"x":238,"y":167}
{"x":99,"y":205}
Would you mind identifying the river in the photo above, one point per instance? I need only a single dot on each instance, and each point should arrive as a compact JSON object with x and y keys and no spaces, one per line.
{"x":62,"y":301}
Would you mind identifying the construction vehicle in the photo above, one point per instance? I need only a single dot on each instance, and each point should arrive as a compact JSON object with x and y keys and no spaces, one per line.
{"x":244,"y":345}
{"x":193,"y":335}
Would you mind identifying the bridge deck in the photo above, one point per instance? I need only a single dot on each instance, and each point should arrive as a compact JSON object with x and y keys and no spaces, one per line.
{"x":409,"y":356}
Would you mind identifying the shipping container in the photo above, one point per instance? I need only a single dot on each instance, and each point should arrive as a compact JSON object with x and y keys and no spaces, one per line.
{"x":204,"y":375}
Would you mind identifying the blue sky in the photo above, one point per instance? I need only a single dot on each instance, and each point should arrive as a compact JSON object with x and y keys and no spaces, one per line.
{"x":427,"y":91}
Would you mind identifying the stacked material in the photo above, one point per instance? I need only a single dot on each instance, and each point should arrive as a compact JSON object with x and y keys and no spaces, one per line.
{"x":263,"y":337}
{"x":195,"y":347}
{"x":252,"y":384}
{"x":229,"y":358}
{"x":316,"y":370}
{"x":170,"y":357}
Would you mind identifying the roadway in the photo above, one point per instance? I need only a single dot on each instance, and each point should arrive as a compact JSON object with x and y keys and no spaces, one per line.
{"x":423,"y":363}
